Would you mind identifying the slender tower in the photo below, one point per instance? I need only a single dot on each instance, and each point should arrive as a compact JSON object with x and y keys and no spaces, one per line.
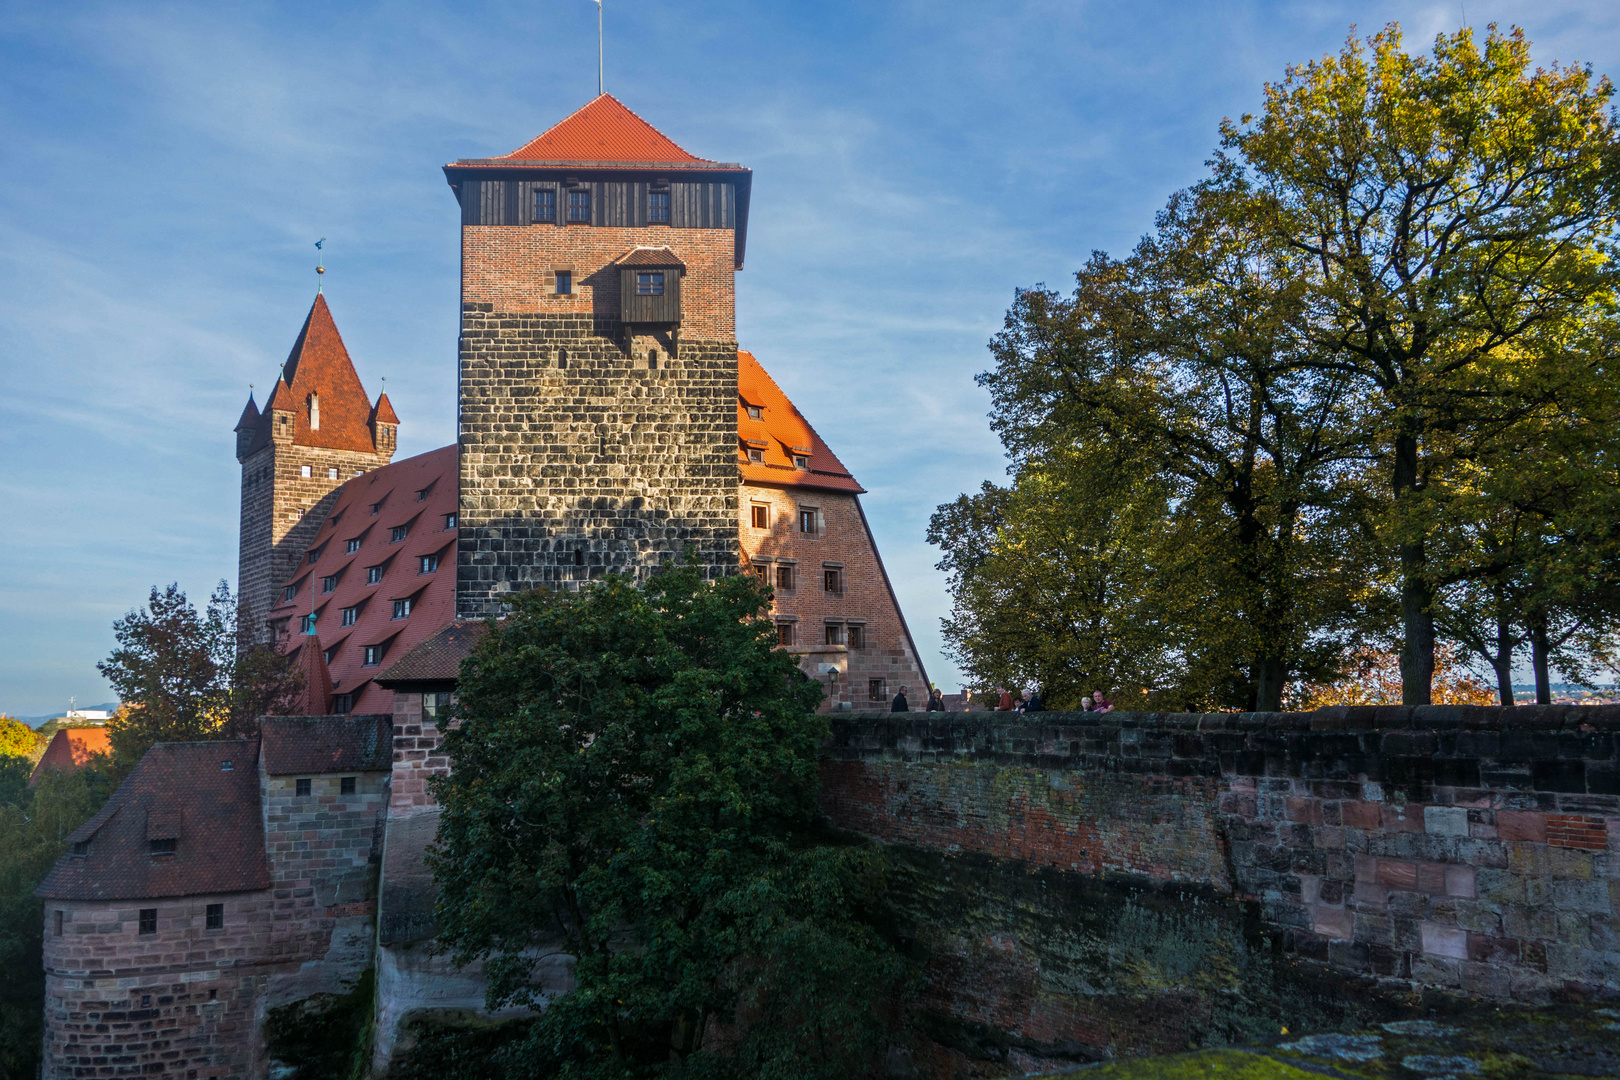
{"x":598,"y":357}
{"x":318,"y":429}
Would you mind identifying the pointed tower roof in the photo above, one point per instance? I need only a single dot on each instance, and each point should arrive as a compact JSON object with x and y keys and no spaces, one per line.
{"x":383,"y":411}
{"x":311,"y":664}
{"x":319,"y":372}
{"x":250,"y":415}
{"x":605,"y":130}
{"x":280,"y":396}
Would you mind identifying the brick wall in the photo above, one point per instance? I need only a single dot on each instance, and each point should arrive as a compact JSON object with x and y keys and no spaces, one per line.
{"x":1440,"y":849}
{"x":887,"y":654}
{"x":179,"y":1002}
{"x":584,"y":450}
{"x":283,"y":510}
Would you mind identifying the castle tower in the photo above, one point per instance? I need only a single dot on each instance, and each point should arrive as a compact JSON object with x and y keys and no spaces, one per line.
{"x":318,"y":429}
{"x":598,"y":357}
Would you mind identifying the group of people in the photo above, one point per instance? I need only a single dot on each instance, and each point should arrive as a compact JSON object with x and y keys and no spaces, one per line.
{"x":1027,"y":701}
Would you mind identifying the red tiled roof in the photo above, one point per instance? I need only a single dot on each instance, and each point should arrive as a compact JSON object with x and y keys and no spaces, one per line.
{"x":179,"y":791}
{"x":438,"y":659}
{"x":317,"y":677}
{"x":383,"y":411}
{"x":319,"y":367}
{"x":70,"y":749}
{"x":781,"y":433}
{"x":432,"y":596}
{"x":604,"y":130}
{"x":313,"y":745}
{"x":650,"y":256}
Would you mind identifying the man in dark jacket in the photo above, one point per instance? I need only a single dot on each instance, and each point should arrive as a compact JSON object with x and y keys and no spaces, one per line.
{"x":900,"y":702}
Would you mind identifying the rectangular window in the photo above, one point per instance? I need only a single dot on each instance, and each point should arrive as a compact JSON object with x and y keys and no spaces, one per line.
{"x":373,"y":574}
{"x":351,"y":546}
{"x":855,"y":637}
{"x":545,"y":205}
{"x":376,"y":506}
{"x":402,"y":608}
{"x":371,"y":656}
{"x":430,"y":563}
{"x":784,"y":577}
{"x":216,"y":917}
{"x":436,"y":704}
{"x":833,"y":581}
{"x":784,"y":633}
{"x":398,"y":533}
{"x":342,"y":704}
{"x":449,"y":521}
{"x":162,"y":847}
{"x":58,"y":924}
{"x":301,"y":787}
{"x":761,"y":517}
{"x":421,"y":496}
{"x":346,"y":786}
{"x":874,"y":690}
{"x":565,"y":283}
{"x":348,"y":614}
{"x":756,"y":456}
{"x":807,"y":521}
{"x":800,"y":461}
{"x":331,"y":474}
{"x":148,"y":920}
{"x":579,"y":207}
{"x":835,"y":635}
{"x":289,"y":592}
{"x":755,"y":412}
{"x":304,"y":471}
{"x":313,"y":555}
{"x":307,"y":623}
{"x":658,"y":208}
{"x":329,"y":584}
{"x":764,"y":571}
{"x":651,"y":284}
{"x":80,"y":848}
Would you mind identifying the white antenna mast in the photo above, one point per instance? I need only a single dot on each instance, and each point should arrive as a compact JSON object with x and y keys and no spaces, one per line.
{"x":599,"y":48}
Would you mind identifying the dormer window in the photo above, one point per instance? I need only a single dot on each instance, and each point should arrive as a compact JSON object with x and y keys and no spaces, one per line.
{"x":800,"y":461}
{"x":162,"y":847}
{"x":579,"y":207}
{"x":348,"y":616}
{"x":376,"y":506}
{"x":402,"y":608}
{"x":314,"y":412}
{"x":757,"y":457}
{"x":658,"y":208}
{"x":329,"y":584}
{"x":351,"y":546}
{"x":398,"y":533}
{"x":314,"y":554}
{"x":373,"y":574}
{"x":289,"y":593}
{"x":449,"y":521}
{"x":755,"y":412}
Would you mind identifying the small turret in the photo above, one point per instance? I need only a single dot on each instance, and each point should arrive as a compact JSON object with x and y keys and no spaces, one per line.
{"x":247,"y":428}
{"x":384,"y":426}
{"x":280,"y":410}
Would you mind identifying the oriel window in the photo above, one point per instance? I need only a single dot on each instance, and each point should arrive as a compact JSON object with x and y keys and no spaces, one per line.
{"x":650,"y":284}
{"x":579,"y":207}
{"x":545,"y":204}
{"x":658,"y":208}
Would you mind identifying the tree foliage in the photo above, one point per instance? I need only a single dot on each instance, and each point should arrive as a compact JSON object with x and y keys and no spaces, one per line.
{"x":1360,"y":378}
{"x":185,"y":675}
{"x":633,"y":785}
{"x":19,"y":740}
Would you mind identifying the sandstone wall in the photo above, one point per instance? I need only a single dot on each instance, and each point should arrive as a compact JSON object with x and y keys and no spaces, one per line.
{"x":1080,"y":885}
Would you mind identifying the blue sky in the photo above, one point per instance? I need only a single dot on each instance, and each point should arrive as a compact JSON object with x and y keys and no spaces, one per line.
{"x":171,"y":165}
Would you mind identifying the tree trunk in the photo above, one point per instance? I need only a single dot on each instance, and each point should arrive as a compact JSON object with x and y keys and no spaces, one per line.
{"x":1504,"y":659}
{"x":1417,"y":618}
{"x":1538,"y":660}
{"x":1270,"y":675}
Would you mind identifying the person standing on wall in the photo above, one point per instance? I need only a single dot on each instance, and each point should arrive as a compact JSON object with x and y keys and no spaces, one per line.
{"x":900,"y":702}
{"x":936,"y":700}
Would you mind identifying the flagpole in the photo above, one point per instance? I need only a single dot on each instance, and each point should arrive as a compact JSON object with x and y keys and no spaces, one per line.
{"x":599,"y":90}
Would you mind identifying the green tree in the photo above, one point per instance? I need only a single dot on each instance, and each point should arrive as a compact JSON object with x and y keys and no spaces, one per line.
{"x":633,"y":784}
{"x":185,"y":675}
{"x":1452,"y":208}
{"x":33,"y":835}
{"x":1167,"y":437}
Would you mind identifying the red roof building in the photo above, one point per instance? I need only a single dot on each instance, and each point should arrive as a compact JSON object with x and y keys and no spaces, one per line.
{"x":71,"y":749}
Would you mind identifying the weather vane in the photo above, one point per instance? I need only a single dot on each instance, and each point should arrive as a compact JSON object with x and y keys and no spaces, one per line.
{"x":319,"y":269}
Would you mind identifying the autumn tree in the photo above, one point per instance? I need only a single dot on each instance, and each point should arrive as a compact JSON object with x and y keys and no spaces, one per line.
{"x":185,"y":675}
{"x":633,"y":784}
{"x":1452,"y":207}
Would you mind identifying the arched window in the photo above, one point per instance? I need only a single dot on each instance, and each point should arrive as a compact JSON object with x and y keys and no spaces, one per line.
{"x":314,"y":412}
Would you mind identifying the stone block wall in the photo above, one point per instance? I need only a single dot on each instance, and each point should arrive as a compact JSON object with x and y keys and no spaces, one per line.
{"x":842,"y":539}
{"x":180,"y":1002}
{"x":1384,"y":851}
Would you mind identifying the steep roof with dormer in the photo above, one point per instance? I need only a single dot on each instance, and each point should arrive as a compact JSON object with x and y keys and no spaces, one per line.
{"x":322,"y":390}
{"x":769,"y":445}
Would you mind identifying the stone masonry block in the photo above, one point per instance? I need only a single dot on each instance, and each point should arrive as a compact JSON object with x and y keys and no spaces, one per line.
{"x":1445,"y":820}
